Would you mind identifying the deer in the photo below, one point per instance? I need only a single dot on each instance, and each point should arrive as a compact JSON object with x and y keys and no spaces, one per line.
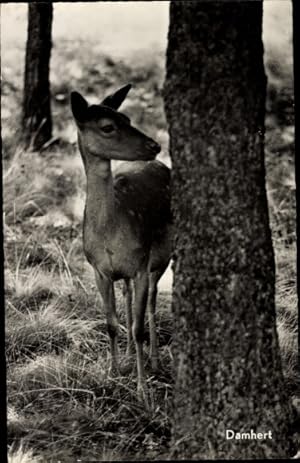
{"x":127,"y":220}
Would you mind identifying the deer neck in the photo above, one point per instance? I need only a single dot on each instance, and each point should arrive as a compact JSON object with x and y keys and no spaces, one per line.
{"x":100,"y":210}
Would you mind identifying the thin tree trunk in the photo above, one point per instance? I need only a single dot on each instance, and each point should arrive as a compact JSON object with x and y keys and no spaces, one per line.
{"x":37,"y":122}
{"x":227,"y":360}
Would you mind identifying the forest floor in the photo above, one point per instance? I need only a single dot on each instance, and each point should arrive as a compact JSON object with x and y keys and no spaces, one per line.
{"x":62,"y":403}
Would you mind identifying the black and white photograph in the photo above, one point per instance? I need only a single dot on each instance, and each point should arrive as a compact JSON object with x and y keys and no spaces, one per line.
{"x":149,"y":230}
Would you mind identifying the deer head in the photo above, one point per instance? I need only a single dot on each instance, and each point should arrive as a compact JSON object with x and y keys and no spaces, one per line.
{"x":108,"y":134}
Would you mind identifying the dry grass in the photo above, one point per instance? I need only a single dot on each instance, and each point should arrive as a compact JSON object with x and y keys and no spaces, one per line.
{"x":21,"y":455}
{"x":62,"y":400}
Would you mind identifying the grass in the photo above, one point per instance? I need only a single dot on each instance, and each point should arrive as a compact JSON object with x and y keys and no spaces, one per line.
{"x":61,"y":398}
{"x":22,"y":455}
{"x":62,"y":402}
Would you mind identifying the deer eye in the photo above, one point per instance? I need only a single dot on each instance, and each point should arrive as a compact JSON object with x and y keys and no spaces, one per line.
{"x":108,"y":128}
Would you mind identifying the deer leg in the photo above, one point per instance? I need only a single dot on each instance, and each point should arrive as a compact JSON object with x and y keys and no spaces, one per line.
{"x":106,"y":289}
{"x":140,"y":303}
{"x":127,"y":292}
{"x":153,"y":280}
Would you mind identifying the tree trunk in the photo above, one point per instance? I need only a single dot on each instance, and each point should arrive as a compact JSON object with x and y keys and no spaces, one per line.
{"x":227,"y":361}
{"x":37,"y":123}
{"x":296,"y":50}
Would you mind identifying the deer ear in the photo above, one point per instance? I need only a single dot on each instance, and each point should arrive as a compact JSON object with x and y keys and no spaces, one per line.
{"x":115,"y":100}
{"x":79,"y":106}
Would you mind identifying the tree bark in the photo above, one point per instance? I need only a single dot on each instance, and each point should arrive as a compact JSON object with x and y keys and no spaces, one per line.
{"x":36,"y":121}
{"x":228,"y":373}
{"x":296,"y":51}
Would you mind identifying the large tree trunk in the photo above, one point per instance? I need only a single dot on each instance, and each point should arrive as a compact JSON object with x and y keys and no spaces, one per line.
{"x":296,"y":49}
{"x":37,"y":123}
{"x":227,"y":360}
